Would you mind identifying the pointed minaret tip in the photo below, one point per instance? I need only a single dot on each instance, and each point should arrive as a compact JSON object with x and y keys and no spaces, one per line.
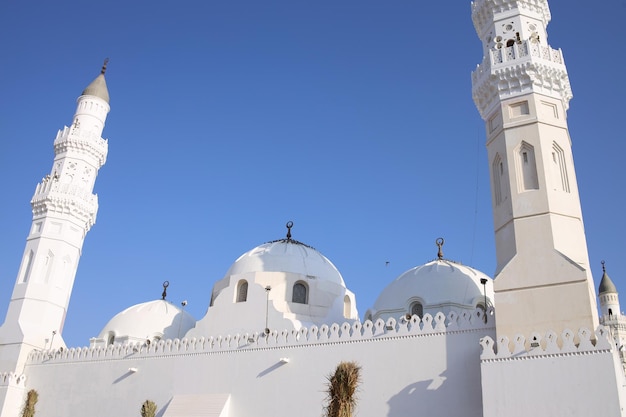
{"x":606,"y":284}
{"x":98,"y":87}
{"x":104,"y":66}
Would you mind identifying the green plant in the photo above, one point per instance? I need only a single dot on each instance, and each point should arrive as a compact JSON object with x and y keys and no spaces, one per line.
{"x":148,"y":409}
{"x":342,"y":387}
{"x":29,"y":406}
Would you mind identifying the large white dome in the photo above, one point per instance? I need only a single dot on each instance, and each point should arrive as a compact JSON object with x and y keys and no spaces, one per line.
{"x":154,"y":319}
{"x":436,"y":284}
{"x":287,"y":255}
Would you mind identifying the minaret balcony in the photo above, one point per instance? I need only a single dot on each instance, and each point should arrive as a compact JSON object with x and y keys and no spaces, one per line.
{"x":52,"y":196}
{"x":82,"y":141}
{"x":521,"y":68}
{"x":517,"y":54}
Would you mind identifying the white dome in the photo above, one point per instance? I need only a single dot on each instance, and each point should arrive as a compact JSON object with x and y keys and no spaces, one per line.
{"x":159,"y":318}
{"x":287,"y":255}
{"x":436,"y":283}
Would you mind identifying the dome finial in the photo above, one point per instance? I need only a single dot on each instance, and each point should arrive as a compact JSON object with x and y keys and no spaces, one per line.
{"x":104,"y":66}
{"x":164,"y":294}
{"x":603,"y":267}
{"x":439,"y":242}
{"x":289,"y":226}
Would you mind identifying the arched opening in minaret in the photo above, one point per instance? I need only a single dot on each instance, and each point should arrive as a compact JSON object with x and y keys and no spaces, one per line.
{"x":559,"y":169}
{"x":497,"y":170}
{"x":527,"y":167}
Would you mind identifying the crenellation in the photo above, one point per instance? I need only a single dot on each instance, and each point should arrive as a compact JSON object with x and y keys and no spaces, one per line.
{"x":325,"y":334}
{"x":551,"y":344}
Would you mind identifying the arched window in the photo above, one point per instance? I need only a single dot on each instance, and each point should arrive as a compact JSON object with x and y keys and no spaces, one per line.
{"x":347,"y":307}
{"x":526,"y":168}
{"x":559,"y":169}
{"x":111,"y":338}
{"x":242,"y":291}
{"x":499,"y":179}
{"x":417,"y":309}
{"x":300,"y":293}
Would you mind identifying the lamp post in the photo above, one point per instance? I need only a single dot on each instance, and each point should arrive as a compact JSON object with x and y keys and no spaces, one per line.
{"x":484,"y":282}
{"x":267,"y":308}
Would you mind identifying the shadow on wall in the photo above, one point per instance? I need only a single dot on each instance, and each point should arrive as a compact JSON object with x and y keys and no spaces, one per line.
{"x":163,"y":409}
{"x":428,"y":398}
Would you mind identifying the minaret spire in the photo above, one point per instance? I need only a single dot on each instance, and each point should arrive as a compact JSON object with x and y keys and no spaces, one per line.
{"x":104,"y":66}
{"x":64,"y":209}
{"x":522,"y":91}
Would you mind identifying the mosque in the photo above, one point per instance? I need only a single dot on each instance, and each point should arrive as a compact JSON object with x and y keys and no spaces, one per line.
{"x":443,"y":339}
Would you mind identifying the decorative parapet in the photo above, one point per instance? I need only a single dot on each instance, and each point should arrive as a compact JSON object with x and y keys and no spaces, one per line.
{"x":83,"y":141}
{"x":325,"y":334}
{"x":567,"y":344}
{"x":10,"y":379}
{"x":525,"y":67}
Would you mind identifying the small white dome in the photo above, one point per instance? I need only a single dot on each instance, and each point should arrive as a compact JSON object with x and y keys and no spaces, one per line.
{"x":287,"y":255}
{"x":437,"y":283}
{"x":154,"y":319}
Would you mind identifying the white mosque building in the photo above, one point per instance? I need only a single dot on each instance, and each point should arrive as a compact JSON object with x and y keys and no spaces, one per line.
{"x":443,"y":339}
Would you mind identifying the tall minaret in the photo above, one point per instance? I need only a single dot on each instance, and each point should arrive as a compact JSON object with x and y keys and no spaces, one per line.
{"x":521,"y":89}
{"x":64,"y":209}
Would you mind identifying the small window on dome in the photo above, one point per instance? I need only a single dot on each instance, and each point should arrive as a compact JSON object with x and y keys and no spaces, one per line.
{"x":111,"y":338}
{"x":347,"y":307}
{"x":242,"y":291}
{"x":417,"y":309}
{"x":300,"y":293}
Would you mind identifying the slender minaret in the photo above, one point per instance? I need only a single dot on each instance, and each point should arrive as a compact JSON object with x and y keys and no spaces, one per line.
{"x":521,"y":89}
{"x":64,"y":209}
{"x":610,"y":312}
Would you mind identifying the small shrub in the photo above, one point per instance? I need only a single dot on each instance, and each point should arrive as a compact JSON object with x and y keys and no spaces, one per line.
{"x":29,"y":406}
{"x":148,"y":409}
{"x":342,"y":387}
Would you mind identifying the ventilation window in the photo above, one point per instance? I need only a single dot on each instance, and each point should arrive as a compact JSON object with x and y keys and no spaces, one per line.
{"x":300,"y":293}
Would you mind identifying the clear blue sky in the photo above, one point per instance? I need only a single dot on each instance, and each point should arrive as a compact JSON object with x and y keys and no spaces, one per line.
{"x":352,"y":118}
